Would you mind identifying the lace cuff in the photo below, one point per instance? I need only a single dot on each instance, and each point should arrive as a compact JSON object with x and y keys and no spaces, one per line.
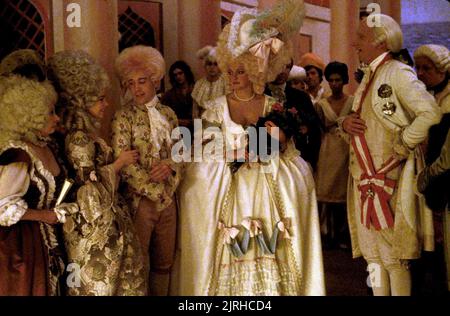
{"x":11,"y":210}
{"x":65,"y":209}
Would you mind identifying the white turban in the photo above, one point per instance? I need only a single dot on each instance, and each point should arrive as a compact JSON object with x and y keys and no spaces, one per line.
{"x":297,"y":72}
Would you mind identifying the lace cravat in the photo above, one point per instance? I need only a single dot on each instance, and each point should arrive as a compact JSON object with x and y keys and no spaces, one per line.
{"x":159,"y":128}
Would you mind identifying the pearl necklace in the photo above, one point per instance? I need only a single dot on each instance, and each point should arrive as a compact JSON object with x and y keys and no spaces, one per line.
{"x":244,"y":100}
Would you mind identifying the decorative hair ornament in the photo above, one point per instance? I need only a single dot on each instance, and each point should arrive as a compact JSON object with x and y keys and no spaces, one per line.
{"x":234,"y":31}
{"x":207,"y":52}
{"x":286,"y":17}
{"x":265,"y":33}
{"x":263,"y":49}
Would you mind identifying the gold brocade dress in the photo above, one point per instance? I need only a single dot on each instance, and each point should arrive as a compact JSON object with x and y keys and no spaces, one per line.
{"x":100,"y":239}
{"x":248,"y":233}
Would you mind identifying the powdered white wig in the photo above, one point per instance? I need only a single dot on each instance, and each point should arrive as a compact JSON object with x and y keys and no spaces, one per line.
{"x":438,"y":54}
{"x":388,"y":31}
{"x":24,"y":106}
{"x":141,"y":58}
{"x":79,"y":79}
{"x":80,"y":82}
{"x":207,"y":53}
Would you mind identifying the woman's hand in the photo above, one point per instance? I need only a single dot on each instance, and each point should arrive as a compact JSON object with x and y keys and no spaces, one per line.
{"x":126,"y":157}
{"x":270,"y":126}
{"x":159,"y":172}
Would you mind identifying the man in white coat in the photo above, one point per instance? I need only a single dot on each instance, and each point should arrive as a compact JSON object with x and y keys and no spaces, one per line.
{"x":391,"y":115}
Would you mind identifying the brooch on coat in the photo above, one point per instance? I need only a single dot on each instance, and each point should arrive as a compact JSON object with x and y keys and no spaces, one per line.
{"x":385,"y":92}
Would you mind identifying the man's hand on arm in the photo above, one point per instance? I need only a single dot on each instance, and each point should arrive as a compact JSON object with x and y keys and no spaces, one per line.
{"x":354,"y":125}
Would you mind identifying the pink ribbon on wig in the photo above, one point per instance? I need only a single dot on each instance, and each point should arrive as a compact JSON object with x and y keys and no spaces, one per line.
{"x":262,"y":51}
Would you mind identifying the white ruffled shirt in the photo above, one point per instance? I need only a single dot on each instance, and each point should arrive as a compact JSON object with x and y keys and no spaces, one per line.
{"x":205,"y":90}
{"x":159,"y":127}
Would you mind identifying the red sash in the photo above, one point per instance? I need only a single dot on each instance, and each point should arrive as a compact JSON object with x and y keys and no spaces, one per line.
{"x":375,"y":188}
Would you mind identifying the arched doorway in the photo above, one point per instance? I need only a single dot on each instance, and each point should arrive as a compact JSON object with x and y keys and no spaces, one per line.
{"x":134,"y":30}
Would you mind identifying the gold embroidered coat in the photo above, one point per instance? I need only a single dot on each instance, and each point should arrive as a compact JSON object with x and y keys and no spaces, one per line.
{"x":131,"y":130}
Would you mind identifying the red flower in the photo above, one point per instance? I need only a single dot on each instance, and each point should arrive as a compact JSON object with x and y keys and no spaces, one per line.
{"x":277,"y":107}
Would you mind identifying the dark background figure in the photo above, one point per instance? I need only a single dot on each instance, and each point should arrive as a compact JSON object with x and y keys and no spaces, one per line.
{"x":432,"y":66}
{"x":179,"y":98}
{"x":307,"y":140}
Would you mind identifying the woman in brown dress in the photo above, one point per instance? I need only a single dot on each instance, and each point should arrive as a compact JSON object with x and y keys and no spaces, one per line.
{"x":30,"y":255}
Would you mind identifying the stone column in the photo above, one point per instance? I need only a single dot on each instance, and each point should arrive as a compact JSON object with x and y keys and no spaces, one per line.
{"x":344,"y":24}
{"x":393,"y":8}
{"x":198,"y":25}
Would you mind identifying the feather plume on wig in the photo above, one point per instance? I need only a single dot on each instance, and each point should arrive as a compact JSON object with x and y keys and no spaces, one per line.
{"x":207,"y":53}
{"x":204,"y":52}
{"x":286,"y":16}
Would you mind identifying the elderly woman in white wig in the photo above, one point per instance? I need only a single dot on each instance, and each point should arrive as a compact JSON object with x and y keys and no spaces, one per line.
{"x":254,"y":231}
{"x":31,"y":259}
{"x":100,"y":238}
{"x":210,"y":87}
